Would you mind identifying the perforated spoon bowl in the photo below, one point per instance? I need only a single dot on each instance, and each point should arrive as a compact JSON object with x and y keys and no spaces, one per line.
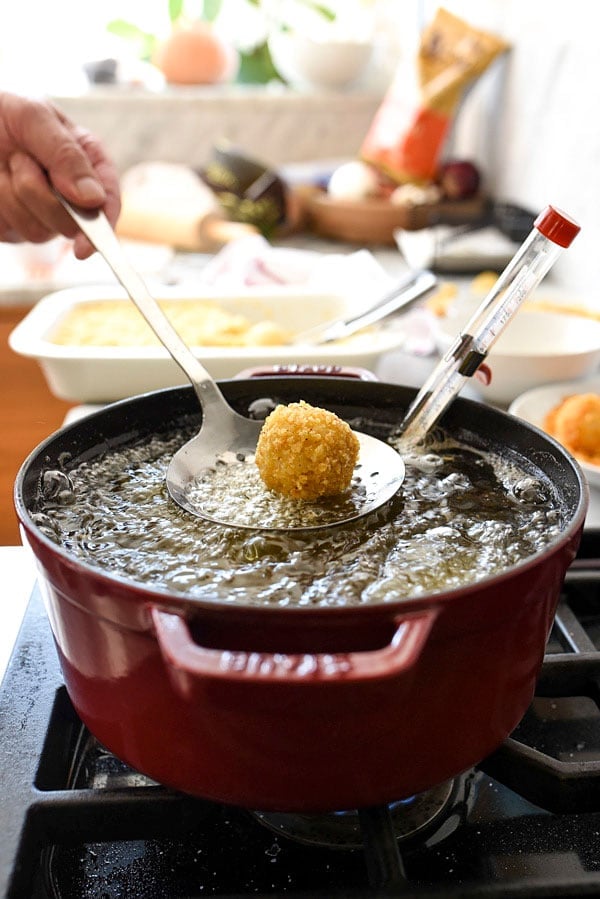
{"x":226,"y":441}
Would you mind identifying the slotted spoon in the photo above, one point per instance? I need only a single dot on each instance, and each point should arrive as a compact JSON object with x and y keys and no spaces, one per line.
{"x":227,"y":440}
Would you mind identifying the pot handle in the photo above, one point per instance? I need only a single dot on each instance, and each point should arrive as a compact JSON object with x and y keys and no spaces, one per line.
{"x":188,"y":659}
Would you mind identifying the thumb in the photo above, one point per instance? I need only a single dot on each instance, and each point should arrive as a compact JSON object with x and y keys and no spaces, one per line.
{"x":71,"y":174}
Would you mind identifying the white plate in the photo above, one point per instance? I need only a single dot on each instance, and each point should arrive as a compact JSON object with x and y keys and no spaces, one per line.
{"x":96,"y":374}
{"x":534,"y":405}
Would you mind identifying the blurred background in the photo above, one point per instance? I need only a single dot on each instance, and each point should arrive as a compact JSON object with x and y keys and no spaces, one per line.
{"x":531,"y":121}
{"x":303,"y":81}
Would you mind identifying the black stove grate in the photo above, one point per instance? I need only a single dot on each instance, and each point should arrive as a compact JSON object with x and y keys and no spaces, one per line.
{"x":526,"y":823}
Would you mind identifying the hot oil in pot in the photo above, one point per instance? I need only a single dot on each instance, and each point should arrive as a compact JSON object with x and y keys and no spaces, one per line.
{"x":461,"y":515}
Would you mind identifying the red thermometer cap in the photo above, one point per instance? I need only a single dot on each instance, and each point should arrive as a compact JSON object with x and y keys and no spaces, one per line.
{"x":557,"y":226}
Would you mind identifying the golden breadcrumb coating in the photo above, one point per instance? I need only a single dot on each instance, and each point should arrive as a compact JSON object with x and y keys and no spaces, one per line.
{"x":305,"y":452}
{"x":575,"y":423}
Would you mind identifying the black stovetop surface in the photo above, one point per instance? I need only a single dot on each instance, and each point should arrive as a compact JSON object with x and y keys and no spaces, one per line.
{"x":77,"y":823}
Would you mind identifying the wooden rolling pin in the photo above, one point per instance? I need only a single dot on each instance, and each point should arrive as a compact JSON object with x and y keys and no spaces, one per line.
{"x":166,"y":203}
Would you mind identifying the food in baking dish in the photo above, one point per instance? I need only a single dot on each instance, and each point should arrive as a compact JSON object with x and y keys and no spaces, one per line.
{"x":199,"y":322}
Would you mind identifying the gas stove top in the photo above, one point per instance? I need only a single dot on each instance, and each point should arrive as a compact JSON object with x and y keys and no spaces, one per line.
{"x":523,"y":823}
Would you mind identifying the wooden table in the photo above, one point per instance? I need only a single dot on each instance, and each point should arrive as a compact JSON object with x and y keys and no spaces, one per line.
{"x":29,"y":414}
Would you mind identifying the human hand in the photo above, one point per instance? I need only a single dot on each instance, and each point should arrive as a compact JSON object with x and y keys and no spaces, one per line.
{"x":41,"y":149}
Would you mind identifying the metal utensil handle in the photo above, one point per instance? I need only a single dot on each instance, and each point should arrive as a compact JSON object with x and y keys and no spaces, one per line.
{"x":407,"y":291}
{"x":98,"y":230}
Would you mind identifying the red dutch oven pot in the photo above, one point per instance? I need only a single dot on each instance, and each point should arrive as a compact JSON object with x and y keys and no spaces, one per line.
{"x":301,"y":709}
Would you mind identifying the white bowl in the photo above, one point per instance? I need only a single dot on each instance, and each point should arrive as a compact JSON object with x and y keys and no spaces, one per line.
{"x":534,"y":405}
{"x":307,"y":62}
{"x":101,"y":374}
{"x":537,"y":348}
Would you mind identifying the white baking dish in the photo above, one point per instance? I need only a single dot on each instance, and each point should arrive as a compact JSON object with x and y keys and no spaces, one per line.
{"x":100,"y":374}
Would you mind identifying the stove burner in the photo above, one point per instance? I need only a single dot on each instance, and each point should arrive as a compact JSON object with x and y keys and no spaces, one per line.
{"x":342,"y":830}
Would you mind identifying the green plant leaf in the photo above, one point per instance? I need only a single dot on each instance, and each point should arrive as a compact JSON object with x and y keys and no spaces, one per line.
{"x":175,"y":9}
{"x":324,"y":11}
{"x":143,"y":40}
{"x":256,"y":67}
{"x":125,"y":29}
{"x":211,"y":9}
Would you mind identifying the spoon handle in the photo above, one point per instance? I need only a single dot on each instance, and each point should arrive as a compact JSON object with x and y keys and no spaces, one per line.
{"x":99,"y":232}
{"x":410,"y":289}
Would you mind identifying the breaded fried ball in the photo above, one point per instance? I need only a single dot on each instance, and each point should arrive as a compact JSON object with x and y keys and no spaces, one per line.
{"x":575,"y":423}
{"x":305,"y":452}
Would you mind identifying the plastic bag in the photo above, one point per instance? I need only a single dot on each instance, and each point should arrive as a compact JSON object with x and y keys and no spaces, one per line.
{"x":406,"y":141}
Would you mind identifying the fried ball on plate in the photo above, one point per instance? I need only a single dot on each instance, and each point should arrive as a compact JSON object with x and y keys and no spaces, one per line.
{"x":306,"y":453}
{"x":575,"y":422}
